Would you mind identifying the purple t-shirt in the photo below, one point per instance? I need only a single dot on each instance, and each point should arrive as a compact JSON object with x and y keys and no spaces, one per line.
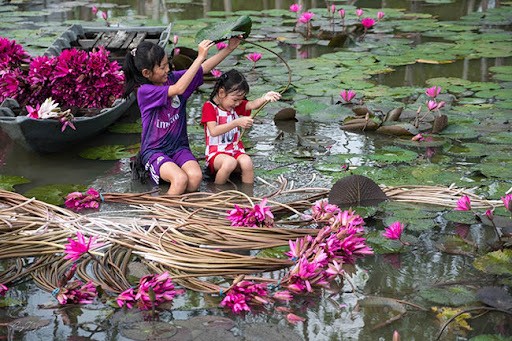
{"x":164,"y":121}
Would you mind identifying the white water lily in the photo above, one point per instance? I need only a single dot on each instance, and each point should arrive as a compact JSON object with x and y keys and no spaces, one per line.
{"x":49,"y":109}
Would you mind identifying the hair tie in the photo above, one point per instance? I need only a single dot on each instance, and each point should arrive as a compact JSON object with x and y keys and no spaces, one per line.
{"x":133,"y":51}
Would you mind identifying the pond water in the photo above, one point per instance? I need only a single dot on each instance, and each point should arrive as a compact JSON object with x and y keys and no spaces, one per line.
{"x":314,"y":147}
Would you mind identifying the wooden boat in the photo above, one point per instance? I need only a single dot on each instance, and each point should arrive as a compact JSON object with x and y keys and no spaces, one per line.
{"x":45,"y":135}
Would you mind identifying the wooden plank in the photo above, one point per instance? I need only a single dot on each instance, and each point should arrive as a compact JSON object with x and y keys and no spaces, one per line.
{"x":105,"y":39}
{"x":128,"y":40}
{"x":137,"y":40}
{"x":88,"y":44}
{"x":118,"y":40}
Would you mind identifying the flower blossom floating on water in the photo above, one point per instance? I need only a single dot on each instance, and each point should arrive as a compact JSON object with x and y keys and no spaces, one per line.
{"x":216,"y":73}
{"x":341,"y":12}
{"x":76,"y":293}
{"x":78,"y":201}
{"x":76,"y":248}
{"x":94,"y":10}
{"x":242,"y":294}
{"x":152,"y":291}
{"x":295,"y":8}
{"x":433,"y":92}
{"x":175,"y":39}
{"x":347,"y":95}
{"x":463,"y":204}
{"x":221,"y":45}
{"x":380,"y":15}
{"x":3,"y":290}
{"x":394,"y":231}
{"x":359,"y":12}
{"x":322,"y":210}
{"x":507,"y":201}
{"x":260,"y":215}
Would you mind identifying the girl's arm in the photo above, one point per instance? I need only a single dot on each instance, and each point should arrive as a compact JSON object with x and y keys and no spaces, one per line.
{"x":182,"y":84}
{"x":270,"y":96}
{"x":219,"y":129}
{"x":214,"y":60}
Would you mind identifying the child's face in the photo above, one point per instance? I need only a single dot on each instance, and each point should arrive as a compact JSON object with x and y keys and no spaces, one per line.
{"x":158,"y":76}
{"x":229,"y":101}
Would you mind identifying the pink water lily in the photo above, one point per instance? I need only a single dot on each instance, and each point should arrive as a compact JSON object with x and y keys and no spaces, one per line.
{"x":76,"y":248}
{"x":221,"y":45}
{"x":294,"y":319}
{"x":380,"y":15}
{"x":94,"y":10}
{"x":367,"y":23}
{"x":418,"y":137}
{"x":76,"y":292}
{"x":341,"y":12}
{"x":104,"y":15}
{"x":394,"y":231}
{"x":283,"y":295}
{"x":254,"y":57}
{"x":463,"y":204}
{"x":433,"y":91}
{"x":3,"y":289}
{"x":489,"y":214}
{"x":126,"y":298}
{"x":216,"y":73}
{"x":431,"y":105}
{"x":175,"y":39}
{"x":347,"y":95}
{"x":306,"y":17}
{"x":507,"y":201}
{"x":332,"y":9}
{"x":359,"y":12}
{"x":295,"y":8}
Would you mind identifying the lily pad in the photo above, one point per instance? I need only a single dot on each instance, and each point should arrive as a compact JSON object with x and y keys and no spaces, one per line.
{"x":113,"y":152}
{"x":7,"y":182}
{"x":150,"y":330}
{"x":455,"y":245}
{"x":226,"y":29}
{"x":453,"y":296}
{"x":54,"y":194}
{"x":495,"y":263}
{"x":393,"y":154}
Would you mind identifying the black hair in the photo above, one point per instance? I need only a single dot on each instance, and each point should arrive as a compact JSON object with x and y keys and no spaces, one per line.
{"x":231,"y":81}
{"x":146,"y":55}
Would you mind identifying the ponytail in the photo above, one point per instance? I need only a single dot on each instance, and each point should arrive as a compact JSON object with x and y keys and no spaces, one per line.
{"x":230,"y":81}
{"x":146,"y":56}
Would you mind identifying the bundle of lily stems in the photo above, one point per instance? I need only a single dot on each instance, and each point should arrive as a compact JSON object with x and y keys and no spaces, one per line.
{"x":187,"y":236}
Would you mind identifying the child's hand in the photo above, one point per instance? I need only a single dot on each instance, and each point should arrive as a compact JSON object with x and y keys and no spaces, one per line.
{"x":203,"y":47}
{"x":245,"y":122}
{"x":272,"y":96}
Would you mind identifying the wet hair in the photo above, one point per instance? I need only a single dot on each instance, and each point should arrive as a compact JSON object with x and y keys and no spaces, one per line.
{"x":147,"y":55}
{"x":231,"y":81}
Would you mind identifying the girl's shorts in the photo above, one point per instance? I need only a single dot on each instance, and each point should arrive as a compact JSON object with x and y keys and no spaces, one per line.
{"x":156,"y":160}
{"x":212,"y":159}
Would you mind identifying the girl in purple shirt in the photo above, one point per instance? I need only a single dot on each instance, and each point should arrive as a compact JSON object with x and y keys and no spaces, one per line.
{"x":162,"y":97}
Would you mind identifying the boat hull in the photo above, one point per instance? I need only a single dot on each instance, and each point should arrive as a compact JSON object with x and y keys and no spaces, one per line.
{"x":46,"y":136}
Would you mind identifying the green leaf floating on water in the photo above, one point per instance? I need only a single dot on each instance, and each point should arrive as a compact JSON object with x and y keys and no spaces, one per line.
{"x":392,"y":154}
{"x":7,"y":182}
{"x":114,"y":152}
{"x":226,"y":29}
{"x":495,"y":263}
{"x":54,"y":194}
{"x":454,"y":296}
